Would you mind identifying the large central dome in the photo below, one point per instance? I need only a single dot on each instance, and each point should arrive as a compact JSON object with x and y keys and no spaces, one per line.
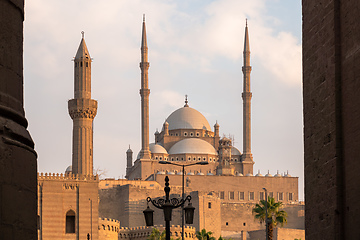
{"x":187,"y":118}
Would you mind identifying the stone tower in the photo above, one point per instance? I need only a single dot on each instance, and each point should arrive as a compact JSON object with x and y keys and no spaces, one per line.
{"x":82,"y":110}
{"x":129,"y":158}
{"x":224,"y":167}
{"x":247,"y":158}
{"x":144,"y":93}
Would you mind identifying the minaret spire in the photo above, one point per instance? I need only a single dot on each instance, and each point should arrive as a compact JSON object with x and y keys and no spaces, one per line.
{"x":82,"y":110}
{"x":144,"y":93}
{"x":247,"y":158}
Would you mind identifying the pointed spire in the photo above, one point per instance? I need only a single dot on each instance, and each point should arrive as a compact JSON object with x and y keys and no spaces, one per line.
{"x":186,"y":101}
{"x":143,"y":41}
{"x":82,"y":51}
{"x":246,"y":40}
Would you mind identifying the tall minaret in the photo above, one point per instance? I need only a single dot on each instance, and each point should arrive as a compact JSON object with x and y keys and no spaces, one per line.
{"x":144,"y":93}
{"x":247,"y":158}
{"x":82,"y":110}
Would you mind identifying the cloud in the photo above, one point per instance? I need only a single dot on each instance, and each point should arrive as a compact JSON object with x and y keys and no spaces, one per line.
{"x":195,"y":48}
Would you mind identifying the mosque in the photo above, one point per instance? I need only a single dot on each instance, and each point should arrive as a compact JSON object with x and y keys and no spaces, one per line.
{"x":220,"y":180}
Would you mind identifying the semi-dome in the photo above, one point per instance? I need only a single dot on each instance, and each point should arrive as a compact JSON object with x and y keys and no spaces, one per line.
{"x":192,"y":146}
{"x":156,"y":148}
{"x":68,"y":169}
{"x":187,"y":118}
{"x":235,"y":151}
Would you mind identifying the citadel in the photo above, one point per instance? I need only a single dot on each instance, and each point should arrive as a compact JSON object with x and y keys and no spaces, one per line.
{"x":76,"y":204}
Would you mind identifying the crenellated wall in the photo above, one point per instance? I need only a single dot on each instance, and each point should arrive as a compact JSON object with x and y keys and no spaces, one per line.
{"x":142,"y":233}
{"x":109,"y":229}
{"x":57,"y":176}
{"x":60,"y":196}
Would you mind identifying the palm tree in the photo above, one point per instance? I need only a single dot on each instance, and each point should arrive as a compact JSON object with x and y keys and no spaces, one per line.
{"x":203,"y":235}
{"x":275,"y":215}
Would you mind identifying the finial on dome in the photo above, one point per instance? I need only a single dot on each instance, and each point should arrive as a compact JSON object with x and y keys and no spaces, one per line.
{"x":246,"y":22}
{"x":144,"y":17}
{"x":82,"y":34}
{"x":186,"y":101}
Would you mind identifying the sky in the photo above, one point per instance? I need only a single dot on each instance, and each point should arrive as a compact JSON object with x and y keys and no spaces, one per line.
{"x":195,"y":48}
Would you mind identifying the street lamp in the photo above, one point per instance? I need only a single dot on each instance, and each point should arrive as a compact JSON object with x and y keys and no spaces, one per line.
{"x":183,"y":187}
{"x":168,"y":205}
{"x":266,"y":215}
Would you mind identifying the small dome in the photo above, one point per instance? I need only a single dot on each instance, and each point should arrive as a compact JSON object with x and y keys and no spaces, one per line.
{"x":193,"y":146}
{"x":210,"y":174}
{"x":277,"y":174}
{"x":235,"y":151}
{"x":287,"y":174}
{"x":187,"y":118}
{"x":129,"y":151}
{"x":190,"y":173}
{"x":171,"y":173}
{"x":160,"y":172}
{"x":258,"y":175}
{"x":239,"y":174}
{"x":268,"y":174}
{"x":200,"y":173}
{"x":68,"y":169}
{"x":156,"y":148}
{"x":179,"y":173}
{"x":249,"y":175}
{"x":157,"y":132}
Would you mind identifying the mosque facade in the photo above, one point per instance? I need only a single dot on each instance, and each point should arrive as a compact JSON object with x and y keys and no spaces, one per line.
{"x":221,"y":182}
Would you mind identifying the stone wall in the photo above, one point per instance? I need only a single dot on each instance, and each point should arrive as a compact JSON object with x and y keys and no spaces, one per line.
{"x":237,"y":184}
{"x":331,"y":70}
{"x":279,"y":234}
{"x":142,"y":233}
{"x":108,"y":229}
{"x":126,"y":203}
{"x":58,"y":195}
{"x":18,"y":164}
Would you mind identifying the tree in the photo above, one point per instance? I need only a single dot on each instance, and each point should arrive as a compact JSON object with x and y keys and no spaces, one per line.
{"x":156,"y":235}
{"x":204,"y":235}
{"x":275,"y":215}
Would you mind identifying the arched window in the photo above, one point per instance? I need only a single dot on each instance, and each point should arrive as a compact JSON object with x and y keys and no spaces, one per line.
{"x":70,"y":222}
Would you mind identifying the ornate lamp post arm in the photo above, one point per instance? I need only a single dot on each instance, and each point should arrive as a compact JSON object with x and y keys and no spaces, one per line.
{"x":167,"y":205}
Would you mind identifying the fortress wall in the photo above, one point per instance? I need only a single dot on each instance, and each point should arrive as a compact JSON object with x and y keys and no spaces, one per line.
{"x":128,"y":202}
{"x":237,"y":184}
{"x":56,"y":196}
{"x":238,"y":217}
{"x":108,"y":229}
{"x":142,"y":233}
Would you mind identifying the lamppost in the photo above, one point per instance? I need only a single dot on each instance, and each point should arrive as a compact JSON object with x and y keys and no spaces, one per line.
{"x":266,"y":215}
{"x":168,"y":205}
{"x":183,"y":187}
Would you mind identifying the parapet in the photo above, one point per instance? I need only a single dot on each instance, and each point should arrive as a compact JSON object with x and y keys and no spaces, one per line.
{"x":108,"y":224}
{"x":142,"y":232}
{"x":57,"y":176}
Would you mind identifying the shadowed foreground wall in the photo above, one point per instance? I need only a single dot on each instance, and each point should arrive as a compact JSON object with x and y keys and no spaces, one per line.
{"x":18,"y":187}
{"x":331,"y":88}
